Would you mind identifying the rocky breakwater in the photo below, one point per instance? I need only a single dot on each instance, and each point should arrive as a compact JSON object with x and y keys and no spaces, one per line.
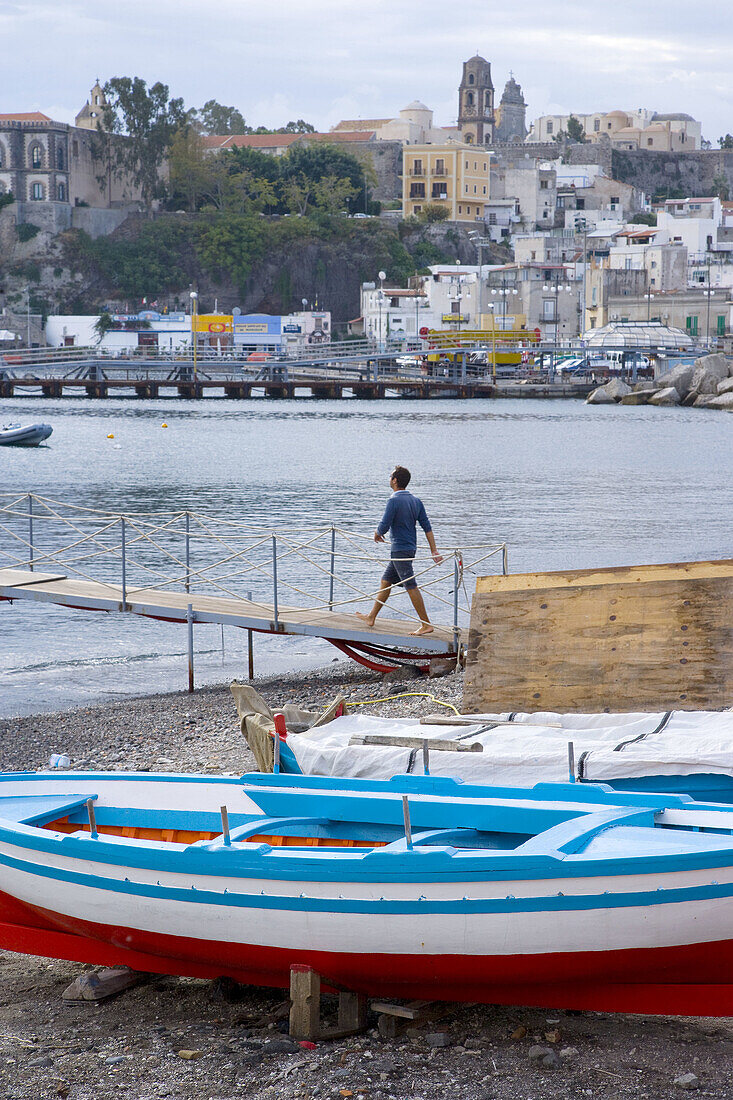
{"x":705,"y":384}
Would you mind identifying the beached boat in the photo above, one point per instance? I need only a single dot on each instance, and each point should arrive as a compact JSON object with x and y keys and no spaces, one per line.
{"x":24,"y":435}
{"x":566,"y":895}
{"x":683,"y":752}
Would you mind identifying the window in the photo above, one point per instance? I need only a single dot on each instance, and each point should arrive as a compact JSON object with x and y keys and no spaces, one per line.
{"x":721,"y":325}
{"x":484,"y":188}
{"x":75,"y":148}
{"x":455,"y":307}
{"x":61,"y":192}
{"x":417,"y":190}
{"x":469,"y":99}
{"x":60,"y":158}
{"x":470,"y":78}
{"x":543,"y":185}
{"x":460,"y":209}
{"x":96,"y":100}
{"x":466,"y":188}
{"x":2,"y":156}
{"x":691,"y":325}
{"x":549,"y":127}
{"x":580,"y":204}
{"x":615,"y":199}
{"x":475,"y":166}
{"x":417,"y":168}
{"x":469,"y":141}
{"x":596,"y":125}
{"x":650,"y":141}
{"x":440,"y":167}
{"x":36,"y":156}
{"x":439,"y":191}
{"x":417,"y":209}
{"x":492,"y":219}
{"x":37,"y":191}
{"x":475,"y":189}
{"x":548,"y":309}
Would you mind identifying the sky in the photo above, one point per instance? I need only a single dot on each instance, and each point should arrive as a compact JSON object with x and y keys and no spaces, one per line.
{"x":324,"y":60}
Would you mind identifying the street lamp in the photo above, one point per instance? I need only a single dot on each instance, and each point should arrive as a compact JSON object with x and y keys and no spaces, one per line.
{"x":382,"y":275}
{"x":582,"y":224}
{"x":28,"y":315}
{"x":490,"y":305}
{"x":649,"y":298}
{"x":194,"y":330}
{"x":556,"y":286}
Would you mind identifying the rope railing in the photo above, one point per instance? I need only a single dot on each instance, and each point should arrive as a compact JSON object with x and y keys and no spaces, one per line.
{"x":323,"y":568}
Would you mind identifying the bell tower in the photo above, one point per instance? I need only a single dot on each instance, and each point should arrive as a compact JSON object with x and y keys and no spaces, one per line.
{"x":476,"y":102}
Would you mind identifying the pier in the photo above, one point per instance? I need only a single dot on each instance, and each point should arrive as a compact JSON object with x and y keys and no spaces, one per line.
{"x":190,"y":568}
{"x":351,"y":369}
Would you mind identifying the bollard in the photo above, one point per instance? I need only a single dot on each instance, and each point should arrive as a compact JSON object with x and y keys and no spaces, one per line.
{"x":504,"y":560}
{"x":280,"y":730}
{"x":92,"y":819}
{"x":251,"y":647}
{"x":456,"y":629}
{"x":188,"y":553}
{"x":274,"y":579}
{"x":571,"y":761}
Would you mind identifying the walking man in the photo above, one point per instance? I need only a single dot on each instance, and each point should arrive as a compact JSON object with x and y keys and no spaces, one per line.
{"x":403,"y":512}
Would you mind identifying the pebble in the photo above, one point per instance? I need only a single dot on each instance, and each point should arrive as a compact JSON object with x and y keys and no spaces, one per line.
{"x":687,"y":1081}
{"x":189,"y":1055}
{"x":438,"y":1039}
{"x":115,"y":1059}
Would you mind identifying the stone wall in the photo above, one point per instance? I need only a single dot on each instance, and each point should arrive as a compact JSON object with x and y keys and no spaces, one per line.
{"x":385,"y":158}
{"x":674,"y":175}
{"x":97,"y":222}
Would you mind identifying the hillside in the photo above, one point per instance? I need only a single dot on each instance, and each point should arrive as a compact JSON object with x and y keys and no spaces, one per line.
{"x":256,"y":263}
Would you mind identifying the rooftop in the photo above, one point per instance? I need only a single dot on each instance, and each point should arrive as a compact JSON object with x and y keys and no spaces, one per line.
{"x":25,"y":116}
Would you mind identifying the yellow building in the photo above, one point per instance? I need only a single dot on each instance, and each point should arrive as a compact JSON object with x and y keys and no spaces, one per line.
{"x":451,"y":175}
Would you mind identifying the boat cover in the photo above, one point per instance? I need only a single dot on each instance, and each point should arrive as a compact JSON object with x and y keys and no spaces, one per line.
{"x":524,"y":749}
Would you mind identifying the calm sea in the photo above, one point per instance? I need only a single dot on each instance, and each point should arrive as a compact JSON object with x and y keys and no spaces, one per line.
{"x":564,"y":484}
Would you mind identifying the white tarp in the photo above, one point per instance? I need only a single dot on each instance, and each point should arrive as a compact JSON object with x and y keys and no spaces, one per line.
{"x":527,"y":748}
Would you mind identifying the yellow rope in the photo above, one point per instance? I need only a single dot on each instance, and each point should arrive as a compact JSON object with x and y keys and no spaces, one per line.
{"x":406,"y":695}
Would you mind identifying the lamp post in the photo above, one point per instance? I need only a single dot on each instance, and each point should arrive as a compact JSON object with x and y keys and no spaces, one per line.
{"x":28,"y":315}
{"x":581,"y":223}
{"x":194,"y":331}
{"x":382,"y":275}
{"x":708,"y":295}
{"x":490,"y":305}
{"x":649,"y":299}
{"x":556,"y":286}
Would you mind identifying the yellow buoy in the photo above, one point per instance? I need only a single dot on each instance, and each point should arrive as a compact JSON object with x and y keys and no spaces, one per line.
{"x":164,"y":425}
{"x":111,"y":435}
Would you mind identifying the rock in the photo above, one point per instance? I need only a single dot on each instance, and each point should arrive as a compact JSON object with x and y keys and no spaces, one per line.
{"x":568,"y":1052}
{"x":536,"y":1053}
{"x":280,"y":1046}
{"x":617,"y":389}
{"x":438,"y":1039}
{"x":115,"y":1060}
{"x":722,"y":401}
{"x":402,"y":674}
{"x":600,"y":396}
{"x":550,"y":1060}
{"x":726,"y":386}
{"x":226,"y":989}
{"x":667,"y":396}
{"x":189,"y":1055}
{"x":687,"y":1081}
{"x":553,"y":1036}
{"x":519,"y":1032}
{"x":703,"y":400}
{"x":441,"y":666}
{"x":638,"y":397}
{"x":709,"y":371}
{"x":690,"y":399}
{"x":680,"y":377}
{"x":40,"y":1063}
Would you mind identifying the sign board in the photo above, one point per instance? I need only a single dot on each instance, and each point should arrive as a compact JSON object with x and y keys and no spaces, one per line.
{"x":213,"y":322}
{"x":251,"y":327}
{"x":292,"y":328}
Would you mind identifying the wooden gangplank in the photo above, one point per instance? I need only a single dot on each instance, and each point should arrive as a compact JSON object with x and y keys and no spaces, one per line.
{"x":169,"y":606}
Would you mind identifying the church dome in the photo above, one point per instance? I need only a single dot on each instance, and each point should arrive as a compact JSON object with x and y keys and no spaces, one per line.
{"x":416,"y":105}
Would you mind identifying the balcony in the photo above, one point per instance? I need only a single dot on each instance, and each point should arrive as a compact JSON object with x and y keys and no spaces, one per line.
{"x":419,"y":172}
{"x":439,"y":173}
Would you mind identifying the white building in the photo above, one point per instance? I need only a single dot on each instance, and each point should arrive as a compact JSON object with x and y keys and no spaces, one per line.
{"x":412,"y":126}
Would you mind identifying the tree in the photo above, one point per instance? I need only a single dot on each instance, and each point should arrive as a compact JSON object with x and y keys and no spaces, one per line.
{"x":146,"y":120}
{"x":721,"y":187}
{"x":215,"y":118}
{"x":726,"y":142}
{"x":575,"y":130}
{"x":299,"y":127}
{"x":433,"y":212}
{"x":333,"y":193}
{"x":315,"y":161}
{"x":188,"y":168}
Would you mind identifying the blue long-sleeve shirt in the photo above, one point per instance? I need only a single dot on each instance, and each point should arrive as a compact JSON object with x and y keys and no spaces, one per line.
{"x":400,"y":517}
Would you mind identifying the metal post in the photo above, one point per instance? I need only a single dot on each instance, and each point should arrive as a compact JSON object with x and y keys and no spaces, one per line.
{"x":250,"y":647}
{"x":189,"y":621}
{"x":333,"y":566}
{"x":124,"y":566}
{"x":571,"y":761}
{"x":92,"y":819}
{"x":274,"y":578}
{"x":225,"y":826}
{"x":504,"y":560}
{"x":426,"y":757}
{"x":406,"y":815}
{"x":276,"y":753}
{"x":188,"y":552}
{"x":456,"y":631}
{"x":30,"y":532}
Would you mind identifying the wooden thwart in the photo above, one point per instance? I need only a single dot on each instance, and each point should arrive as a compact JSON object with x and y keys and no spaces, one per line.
{"x":415,"y":742}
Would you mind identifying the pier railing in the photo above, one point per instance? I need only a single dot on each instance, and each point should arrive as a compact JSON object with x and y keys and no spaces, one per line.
{"x":325,"y":568}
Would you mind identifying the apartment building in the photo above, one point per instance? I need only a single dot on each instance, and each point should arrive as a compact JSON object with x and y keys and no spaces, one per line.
{"x":450,"y":176}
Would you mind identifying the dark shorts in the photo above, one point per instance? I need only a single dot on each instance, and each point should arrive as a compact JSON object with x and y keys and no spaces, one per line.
{"x":401,"y":571}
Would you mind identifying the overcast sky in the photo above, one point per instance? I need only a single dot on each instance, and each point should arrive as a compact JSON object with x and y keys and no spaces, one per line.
{"x":323,"y":60}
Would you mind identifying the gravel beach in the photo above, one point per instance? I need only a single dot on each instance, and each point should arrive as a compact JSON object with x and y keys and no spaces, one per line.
{"x":198,"y":1040}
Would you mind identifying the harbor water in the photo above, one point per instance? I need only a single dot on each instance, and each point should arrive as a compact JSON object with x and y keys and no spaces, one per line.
{"x":564,"y":484}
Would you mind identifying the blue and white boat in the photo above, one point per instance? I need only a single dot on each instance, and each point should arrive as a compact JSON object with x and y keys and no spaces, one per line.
{"x":564,"y":895}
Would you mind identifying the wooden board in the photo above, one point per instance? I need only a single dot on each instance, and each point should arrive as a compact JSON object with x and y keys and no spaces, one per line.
{"x":626,"y":574}
{"x":663,"y":642}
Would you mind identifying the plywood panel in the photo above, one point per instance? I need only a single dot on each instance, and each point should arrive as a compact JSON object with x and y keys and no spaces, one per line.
{"x":625,"y":574}
{"x":656,"y":644}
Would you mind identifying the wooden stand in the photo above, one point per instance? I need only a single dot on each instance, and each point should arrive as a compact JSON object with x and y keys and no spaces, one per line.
{"x":305,"y":1007}
{"x":394,"y":1018}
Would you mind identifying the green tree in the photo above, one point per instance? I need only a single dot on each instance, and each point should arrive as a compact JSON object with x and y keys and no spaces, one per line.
{"x":146,"y":120}
{"x":333,"y":193}
{"x":299,"y":127}
{"x":315,"y":161}
{"x":721,"y":187}
{"x":188,"y":168}
{"x":433,"y":212}
{"x":215,"y":118}
{"x":726,"y":142}
{"x":575,"y":130}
